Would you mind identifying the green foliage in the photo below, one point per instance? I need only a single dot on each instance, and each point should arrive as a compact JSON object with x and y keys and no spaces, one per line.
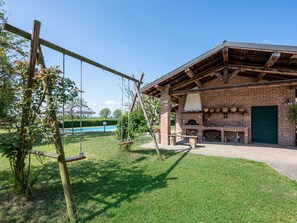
{"x":117,"y":113}
{"x":29,"y":119}
{"x":132,"y":126}
{"x":293,"y":113}
{"x":105,"y":113}
{"x":11,"y":49}
{"x":88,"y":122}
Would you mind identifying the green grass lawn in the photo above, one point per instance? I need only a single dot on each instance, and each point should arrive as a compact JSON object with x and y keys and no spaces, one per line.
{"x":114,"y":186}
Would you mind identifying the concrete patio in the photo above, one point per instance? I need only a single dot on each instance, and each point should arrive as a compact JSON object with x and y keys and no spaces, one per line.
{"x":282,"y":159}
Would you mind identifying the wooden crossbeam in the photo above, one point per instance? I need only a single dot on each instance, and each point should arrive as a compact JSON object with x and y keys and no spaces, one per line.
{"x":197,"y":77}
{"x":270,"y":62}
{"x":285,"y":71}
{"x":290,"y":82}
{"x":225,"y":54}
{"x":53,"y":46}
{"x":191,"y":75}
{"x":218,"y":75}
{"x":159,"y":88}
{"x":233,"y":74}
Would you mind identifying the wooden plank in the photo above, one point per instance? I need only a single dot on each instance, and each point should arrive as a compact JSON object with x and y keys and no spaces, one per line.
{"x":290,"y":82}
{"x":191,"y":75}
{"x":53,"y":46}
{"x":74,"y":158}
{"x":270,"y":62}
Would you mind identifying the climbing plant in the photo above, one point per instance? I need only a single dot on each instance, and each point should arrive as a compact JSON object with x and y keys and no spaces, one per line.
{"x":28,"y":117}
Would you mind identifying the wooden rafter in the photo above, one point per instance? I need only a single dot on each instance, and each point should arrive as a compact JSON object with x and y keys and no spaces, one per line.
{"x":291,"y":82}
{"x":191,"y":75}
{"x":159,"y":88}
{"x":233,"y":74}
{"x":270,"y":62}
{"x":197,"y":77}
{"x":218,"y":75}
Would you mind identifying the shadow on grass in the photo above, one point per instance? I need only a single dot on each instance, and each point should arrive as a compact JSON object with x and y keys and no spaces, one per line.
{"x":97,"y":187}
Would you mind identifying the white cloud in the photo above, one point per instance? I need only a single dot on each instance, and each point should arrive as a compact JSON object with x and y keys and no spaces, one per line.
{"x":110,"y":102}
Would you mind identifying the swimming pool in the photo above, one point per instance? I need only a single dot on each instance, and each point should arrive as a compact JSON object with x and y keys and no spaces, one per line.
{"x":108,"y":128}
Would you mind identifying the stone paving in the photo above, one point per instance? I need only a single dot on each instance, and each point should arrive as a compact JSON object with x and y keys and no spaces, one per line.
{"x":282,"y":159}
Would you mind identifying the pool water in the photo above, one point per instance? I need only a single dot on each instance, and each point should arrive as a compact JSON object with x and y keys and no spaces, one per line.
{"x":108,"y":128}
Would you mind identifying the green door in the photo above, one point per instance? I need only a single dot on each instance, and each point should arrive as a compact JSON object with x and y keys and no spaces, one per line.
{"x":264,"y":124}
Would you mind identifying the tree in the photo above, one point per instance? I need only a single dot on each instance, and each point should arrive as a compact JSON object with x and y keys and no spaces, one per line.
{"x":105,"y":113}
{"x":12,"y":49}
{"x":23,"y":113}
{"x":117,"y":113}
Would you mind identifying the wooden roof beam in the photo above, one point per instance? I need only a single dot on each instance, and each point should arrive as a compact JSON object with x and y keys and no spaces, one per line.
{"x":159,"y":88}
{"x":191,"y":74}
{"x":197,"y":77}
{"x":270,"y":62}
{"x":284,"y":71}
{"x":290,"y":82}
{"x":233,"y":74}
{"x":218,"y":75}
{"x":225,"y":54}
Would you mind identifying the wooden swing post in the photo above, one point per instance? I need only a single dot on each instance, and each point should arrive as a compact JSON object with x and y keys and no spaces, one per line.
{"x":58,"y":141}
{"x":147,"y":120}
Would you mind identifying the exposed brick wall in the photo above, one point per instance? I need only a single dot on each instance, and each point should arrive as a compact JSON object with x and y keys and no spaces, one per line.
{"x":178,"y":118}
{"x":246,"y":98}
{"x":165,"y":116}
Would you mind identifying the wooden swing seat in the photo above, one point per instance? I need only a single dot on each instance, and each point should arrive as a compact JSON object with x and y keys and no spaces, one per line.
{"x":74,"y":158}
{"x":45,"y":154}
{"x":125,"y":143}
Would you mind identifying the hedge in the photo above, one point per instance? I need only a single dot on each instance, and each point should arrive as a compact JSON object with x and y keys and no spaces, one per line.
{"x":88,"y":122}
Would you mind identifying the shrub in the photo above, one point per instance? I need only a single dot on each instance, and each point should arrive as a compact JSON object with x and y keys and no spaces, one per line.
{"x":293,"y":113}
{"x":137,"y":125}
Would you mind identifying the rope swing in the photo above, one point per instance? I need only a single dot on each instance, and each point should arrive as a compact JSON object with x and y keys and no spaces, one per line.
{"x":81,"y":155}
{"x":125,"y":142}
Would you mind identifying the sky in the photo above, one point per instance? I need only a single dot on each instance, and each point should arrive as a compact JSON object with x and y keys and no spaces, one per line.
{"x":153,"y":36}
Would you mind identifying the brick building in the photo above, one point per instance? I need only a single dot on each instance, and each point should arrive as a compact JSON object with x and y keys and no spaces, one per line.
{"x":236,"y":92}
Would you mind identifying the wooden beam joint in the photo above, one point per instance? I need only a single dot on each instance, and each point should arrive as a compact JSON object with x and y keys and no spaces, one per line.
{"x":270,"y":62}
{"x":191,"y":75}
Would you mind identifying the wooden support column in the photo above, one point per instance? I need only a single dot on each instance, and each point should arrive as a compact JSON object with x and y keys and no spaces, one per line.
{"x":135,"y":96}
{"x":165,"y":111}
{"x":65,"y":179}
{"x":147,"y":120}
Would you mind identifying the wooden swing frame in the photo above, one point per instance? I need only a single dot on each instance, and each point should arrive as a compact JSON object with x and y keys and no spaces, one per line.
{"x":36,"y":57}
